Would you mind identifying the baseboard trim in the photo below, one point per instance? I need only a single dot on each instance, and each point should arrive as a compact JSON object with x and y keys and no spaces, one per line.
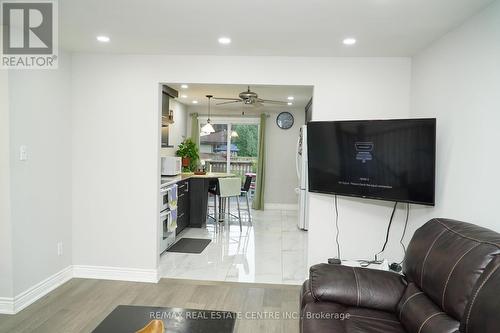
{"x":12,"y":305}
{"x":33,"y":294}
{"x":116,"y":273}
{"x":7,"y":305}
{"x":278,"y":206}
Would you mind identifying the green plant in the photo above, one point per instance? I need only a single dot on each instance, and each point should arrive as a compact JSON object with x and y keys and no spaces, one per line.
{"x":247,"y":140}
{"x":188,"y":149}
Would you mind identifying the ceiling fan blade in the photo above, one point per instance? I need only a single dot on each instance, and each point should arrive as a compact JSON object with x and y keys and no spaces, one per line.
{"x":227,"y":99}
{"x":269,"y":101}
{"x":229,"y":102}
{"x":258,"y":105}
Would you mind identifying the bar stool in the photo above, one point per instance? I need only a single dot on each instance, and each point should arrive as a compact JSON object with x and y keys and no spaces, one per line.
{"x":229,"y":187}
{"x":244,"y":190}
{"x":213,"y":189}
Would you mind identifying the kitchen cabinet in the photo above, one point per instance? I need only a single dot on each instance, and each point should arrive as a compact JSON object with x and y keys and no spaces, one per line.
{"x":183,"y":205}
{"x":167,"y":93}
{"x":199,"y":195}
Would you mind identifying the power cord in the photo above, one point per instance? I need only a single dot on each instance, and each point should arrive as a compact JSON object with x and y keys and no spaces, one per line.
{"x":388,"y":231}
{"x":337,"y":227}
{"x":366,"y":263}
{"x":336,"y":261}
{"x":404,"y":232}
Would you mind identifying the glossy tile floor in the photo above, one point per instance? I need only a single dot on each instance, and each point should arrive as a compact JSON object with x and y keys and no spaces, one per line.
{"x":273,"y":250}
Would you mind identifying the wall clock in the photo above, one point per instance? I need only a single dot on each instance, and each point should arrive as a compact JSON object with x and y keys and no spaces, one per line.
{"x":284,"y":120}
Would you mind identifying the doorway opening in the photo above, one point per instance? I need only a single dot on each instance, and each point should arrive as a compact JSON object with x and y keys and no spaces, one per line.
{"x":253,"y":132}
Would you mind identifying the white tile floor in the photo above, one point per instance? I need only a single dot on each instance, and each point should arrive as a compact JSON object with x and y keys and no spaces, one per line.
{"x":273,"y":250}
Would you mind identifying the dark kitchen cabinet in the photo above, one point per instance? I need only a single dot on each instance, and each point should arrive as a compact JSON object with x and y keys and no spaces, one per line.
{"x":183,"y":205}
{"x":198,"y":193}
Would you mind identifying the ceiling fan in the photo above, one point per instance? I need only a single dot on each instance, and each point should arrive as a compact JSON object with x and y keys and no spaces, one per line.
{"x":248,"y":97}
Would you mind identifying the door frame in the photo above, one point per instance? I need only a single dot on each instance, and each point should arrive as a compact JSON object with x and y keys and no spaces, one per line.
{"x":228,"y":121}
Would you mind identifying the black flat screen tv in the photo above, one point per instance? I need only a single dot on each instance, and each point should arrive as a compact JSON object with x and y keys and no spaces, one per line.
{"x":380,"y":159}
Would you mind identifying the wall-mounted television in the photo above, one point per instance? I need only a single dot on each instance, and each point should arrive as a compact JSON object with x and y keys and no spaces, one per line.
{"x":391,"y":160}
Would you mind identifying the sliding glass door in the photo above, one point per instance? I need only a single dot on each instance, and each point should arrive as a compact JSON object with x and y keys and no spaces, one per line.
{"x":245,"y":143}
{"x":213,"y":148}
{"x":233,"y":147}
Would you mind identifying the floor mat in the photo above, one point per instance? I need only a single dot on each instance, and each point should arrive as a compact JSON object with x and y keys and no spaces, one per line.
{"x":190,"y":245}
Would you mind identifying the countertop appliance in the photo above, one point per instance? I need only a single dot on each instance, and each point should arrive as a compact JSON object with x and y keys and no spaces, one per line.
{"x":171,"y":166}
{"x":301,"y":165}
{"x":168,"y":216}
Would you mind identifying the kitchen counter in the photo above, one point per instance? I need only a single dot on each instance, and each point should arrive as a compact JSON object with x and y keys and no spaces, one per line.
{"x":167,"y":181}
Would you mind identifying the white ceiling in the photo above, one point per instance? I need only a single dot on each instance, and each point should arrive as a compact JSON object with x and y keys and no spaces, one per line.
{"x":198,"y":92}
{"x":260,"y":27}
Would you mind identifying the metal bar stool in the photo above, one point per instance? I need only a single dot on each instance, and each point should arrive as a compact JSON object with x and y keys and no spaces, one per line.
{"x":213,"y":189}
{"x":244,"y":190}
{"x":229,"y":188}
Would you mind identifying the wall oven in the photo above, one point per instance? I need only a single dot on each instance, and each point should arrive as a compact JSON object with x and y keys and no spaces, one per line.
{"x":167,"y":237}
{"x":168,"y":217}
{"x":165,"y":198}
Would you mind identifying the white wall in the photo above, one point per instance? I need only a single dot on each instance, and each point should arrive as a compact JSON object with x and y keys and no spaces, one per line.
{"x":280,"y":174}
{"x":40,"y":114}
{"x":360,"y":91}
{"x":177,"y":130}
{"x":6,"y":285}
{"x":116,"y":144}
{"x":457,"y":80}
{"x":115,"y":175}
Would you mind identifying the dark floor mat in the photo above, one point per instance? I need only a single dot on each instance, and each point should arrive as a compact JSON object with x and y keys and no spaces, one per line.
{"x":190,"y":245}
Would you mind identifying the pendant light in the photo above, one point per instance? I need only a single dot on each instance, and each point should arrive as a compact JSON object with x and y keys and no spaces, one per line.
{"x":208,"y":128}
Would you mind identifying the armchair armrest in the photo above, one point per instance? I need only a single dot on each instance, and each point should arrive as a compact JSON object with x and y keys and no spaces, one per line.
{"x":355,"y":286}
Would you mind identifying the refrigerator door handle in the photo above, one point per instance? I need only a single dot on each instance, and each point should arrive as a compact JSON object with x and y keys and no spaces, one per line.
{"x":297,"y":158}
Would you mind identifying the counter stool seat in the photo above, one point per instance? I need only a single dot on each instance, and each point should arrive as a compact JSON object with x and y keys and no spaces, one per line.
{"x":230,"y":187}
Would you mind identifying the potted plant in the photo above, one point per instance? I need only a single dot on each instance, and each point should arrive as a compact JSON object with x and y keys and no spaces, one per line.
{"x":189,"y":153}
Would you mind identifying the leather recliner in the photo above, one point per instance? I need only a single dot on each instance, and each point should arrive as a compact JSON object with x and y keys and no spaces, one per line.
{"x":450,"y":283}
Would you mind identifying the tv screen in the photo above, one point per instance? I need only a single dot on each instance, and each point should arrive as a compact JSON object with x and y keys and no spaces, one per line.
{"x":380,"y":159}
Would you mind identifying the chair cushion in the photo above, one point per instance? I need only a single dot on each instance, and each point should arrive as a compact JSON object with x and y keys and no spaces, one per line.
{"x":419,"y":314}
{"x":482,"y":312}
{"x":356,"y":286}
{"x":330,"y":317}
{"x":445,"y":259}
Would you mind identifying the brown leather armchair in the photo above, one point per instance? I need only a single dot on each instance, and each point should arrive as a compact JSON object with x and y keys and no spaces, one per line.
{"x":450,"y":283}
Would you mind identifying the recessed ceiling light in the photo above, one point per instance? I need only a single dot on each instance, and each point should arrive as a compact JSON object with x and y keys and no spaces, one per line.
{"x":290,"y":98}
{"x":184,"y":86}
{"x":349,"y":41}
{"x":195,"y":102}
{"x":224,"y":40}
{"x":289,"y":103}
{"x":103,"y":39}
{"x":184,"y":96}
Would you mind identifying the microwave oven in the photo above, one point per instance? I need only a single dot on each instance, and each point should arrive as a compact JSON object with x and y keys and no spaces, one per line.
{"x":171,"y":166}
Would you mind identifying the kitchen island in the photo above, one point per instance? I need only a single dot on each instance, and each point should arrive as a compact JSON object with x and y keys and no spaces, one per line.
{"x":192,"y":197}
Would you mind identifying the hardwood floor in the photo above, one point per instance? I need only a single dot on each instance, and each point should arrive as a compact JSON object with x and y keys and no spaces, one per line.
{"x":81,"y":304}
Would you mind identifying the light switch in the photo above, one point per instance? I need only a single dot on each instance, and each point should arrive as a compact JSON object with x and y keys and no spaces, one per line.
{"x":23,"y":153}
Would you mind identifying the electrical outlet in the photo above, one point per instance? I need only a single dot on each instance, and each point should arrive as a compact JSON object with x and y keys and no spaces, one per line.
{"x":59,"y":248}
